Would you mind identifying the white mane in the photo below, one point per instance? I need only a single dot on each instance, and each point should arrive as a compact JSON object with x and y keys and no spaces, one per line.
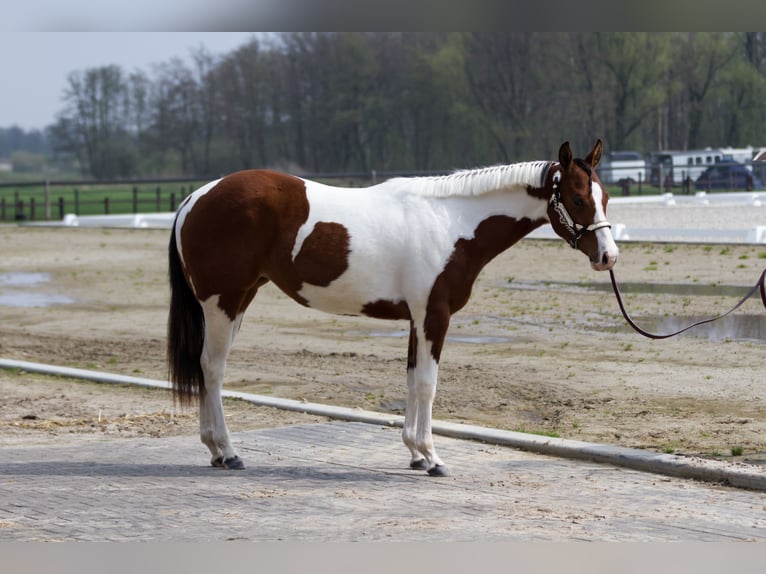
{"x":476,"y":181}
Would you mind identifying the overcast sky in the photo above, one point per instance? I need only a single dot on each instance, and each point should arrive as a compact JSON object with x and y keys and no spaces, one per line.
{"x":35,"y":65}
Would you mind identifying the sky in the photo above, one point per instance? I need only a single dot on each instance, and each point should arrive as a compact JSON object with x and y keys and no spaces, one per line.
{"x":35,"y":65}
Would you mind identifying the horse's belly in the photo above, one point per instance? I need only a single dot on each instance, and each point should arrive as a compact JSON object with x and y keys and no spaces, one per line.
{"x":347,"y":295}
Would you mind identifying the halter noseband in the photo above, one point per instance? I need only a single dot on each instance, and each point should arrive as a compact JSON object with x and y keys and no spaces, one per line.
{"x":575,"y":230}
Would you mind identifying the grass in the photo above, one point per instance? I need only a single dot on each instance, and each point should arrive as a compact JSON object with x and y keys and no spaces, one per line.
{"x":551,"y":434}
{"x":92,"y":199}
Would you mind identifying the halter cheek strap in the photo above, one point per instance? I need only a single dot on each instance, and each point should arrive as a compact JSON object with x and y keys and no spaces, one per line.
{"x":575,"y":230}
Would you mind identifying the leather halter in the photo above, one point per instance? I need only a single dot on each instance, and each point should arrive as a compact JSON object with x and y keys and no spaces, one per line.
{"x":575,"y":230}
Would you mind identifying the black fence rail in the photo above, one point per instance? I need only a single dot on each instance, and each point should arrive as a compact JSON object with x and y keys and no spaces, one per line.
{"x":52,"y":200}
{"x":49,"y":200}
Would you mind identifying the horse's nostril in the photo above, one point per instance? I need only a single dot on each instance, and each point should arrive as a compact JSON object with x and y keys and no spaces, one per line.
{"x":605,"y":258}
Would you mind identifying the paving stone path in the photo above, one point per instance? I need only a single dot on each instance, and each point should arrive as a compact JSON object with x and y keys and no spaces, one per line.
{"x":345,"y":481}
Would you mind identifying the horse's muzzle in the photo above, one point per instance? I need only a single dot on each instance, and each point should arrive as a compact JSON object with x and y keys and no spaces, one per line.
{"x":606,"y":262}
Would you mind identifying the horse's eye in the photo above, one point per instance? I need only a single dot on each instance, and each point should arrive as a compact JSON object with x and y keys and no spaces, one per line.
{"x":579,"y":202}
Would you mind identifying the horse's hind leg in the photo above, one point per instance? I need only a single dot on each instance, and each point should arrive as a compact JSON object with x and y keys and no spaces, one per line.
{"x":220,"y":331}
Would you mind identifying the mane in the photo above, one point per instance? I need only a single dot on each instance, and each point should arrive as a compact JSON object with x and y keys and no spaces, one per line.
{"x":471,"y":182}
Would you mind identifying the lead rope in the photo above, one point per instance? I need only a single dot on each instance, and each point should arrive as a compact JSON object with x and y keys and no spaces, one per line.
{"x":758,"y":285}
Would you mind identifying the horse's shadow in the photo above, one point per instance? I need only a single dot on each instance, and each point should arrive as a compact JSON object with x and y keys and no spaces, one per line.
{"x":115,"y":470}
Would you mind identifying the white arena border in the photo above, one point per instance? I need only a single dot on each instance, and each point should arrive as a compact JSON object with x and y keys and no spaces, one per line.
{"x":734,"y":474}
{"x":754,"y":235}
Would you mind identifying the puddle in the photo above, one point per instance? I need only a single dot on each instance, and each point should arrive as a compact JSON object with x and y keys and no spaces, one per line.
{"x":19,"y":279}
{"x":33,"y":300}
{"x":636,"y":287}
{"x":16,"y":290}
{"x":403,"y":333}
{"x":731,"y":327}
{"x":479,"y":340}
{"x":675,"y":288}
{"x":739,"y":327}
{"x":735,"y":327}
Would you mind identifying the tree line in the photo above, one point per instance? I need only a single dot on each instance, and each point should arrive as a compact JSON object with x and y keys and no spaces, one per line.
{"x":331,"y":102}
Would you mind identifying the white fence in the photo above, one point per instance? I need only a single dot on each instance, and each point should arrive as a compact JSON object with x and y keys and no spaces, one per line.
{"x":699,"y":218}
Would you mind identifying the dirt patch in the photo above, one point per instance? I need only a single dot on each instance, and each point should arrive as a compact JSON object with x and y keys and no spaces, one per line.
{"x":536,"y":349}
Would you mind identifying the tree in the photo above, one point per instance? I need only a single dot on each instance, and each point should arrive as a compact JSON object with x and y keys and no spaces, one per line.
{"x":505,"y":75}
{"x":700,"y":59}
{"x":327,"y":101}
{"x":634,"y":68}
{"x":243,"y":77}
{"x":176,"y":121}
{"x":208,"y":97}
{"x":92,"y":124}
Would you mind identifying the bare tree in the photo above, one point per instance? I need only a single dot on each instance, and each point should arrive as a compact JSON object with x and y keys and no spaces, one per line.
{"x":92,"y":125}
{"x":700,"y":59}
{"x":176,"y":112}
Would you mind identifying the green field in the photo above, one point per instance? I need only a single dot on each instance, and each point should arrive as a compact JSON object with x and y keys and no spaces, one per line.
{"x":92,"y":199}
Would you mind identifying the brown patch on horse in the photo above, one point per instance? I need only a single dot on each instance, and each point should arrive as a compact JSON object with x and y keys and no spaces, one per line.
{"x":382,"y":309}
{"x":452,"y":287}
{"x":261,"y":210}
{"x":324,"y":254}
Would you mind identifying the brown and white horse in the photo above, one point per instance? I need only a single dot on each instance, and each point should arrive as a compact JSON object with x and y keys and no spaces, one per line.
{"x":408,"y":248}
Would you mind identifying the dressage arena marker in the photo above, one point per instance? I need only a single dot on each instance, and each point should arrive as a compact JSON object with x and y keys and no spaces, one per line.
{"x":733,"y":474}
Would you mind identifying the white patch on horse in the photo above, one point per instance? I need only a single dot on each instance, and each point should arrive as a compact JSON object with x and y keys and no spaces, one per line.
{"x":403,"y":231}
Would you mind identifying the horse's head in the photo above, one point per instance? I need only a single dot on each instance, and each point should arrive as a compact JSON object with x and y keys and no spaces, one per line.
{"x":577,"y":206}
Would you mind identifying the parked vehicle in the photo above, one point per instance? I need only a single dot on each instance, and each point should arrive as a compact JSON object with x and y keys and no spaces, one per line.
{"x":728,"y":175}
{"x":622,"y":165}
{"x":674,"y":167}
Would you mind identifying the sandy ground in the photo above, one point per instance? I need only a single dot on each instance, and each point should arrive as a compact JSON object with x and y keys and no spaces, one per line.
{"x":540,"y":347}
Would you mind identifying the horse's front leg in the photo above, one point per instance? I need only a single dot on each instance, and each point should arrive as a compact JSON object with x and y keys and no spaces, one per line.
{"x":422,"y":374}
{"x":417,"y":460}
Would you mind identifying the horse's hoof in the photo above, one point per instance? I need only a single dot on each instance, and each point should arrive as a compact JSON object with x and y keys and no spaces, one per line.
{"x":233,"y":463}
{"x":217,"y":462}
{"x":420,"y":464}
{"x":438,"y":470}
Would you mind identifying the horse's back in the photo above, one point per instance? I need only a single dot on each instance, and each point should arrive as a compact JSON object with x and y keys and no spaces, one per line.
{"x":246,"y":194}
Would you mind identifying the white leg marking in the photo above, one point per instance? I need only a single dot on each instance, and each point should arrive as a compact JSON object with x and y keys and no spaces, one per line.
{"x":219,"y":335}
{"x":424,"y":386}
{"x":411,"y":420}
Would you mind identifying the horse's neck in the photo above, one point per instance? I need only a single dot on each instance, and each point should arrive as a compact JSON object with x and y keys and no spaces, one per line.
{"x":494,"y":213}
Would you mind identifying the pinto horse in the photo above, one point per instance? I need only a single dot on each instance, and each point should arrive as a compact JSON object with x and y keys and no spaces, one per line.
{"x":407,"y":248}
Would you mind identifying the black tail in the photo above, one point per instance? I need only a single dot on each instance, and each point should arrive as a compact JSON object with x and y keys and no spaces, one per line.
{"x":186,"y":332}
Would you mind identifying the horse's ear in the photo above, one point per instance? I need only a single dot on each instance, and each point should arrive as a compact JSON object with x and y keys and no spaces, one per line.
{"x":594,"y":157}
{"x":565,"y":155}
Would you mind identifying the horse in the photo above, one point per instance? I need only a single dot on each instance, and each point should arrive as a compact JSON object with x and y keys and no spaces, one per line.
{"x":409,"y":248}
